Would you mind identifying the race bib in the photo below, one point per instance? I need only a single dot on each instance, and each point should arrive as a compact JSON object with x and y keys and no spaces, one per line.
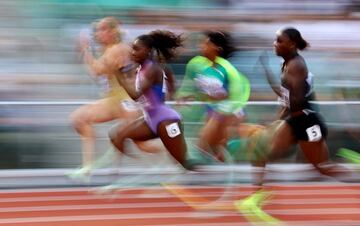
{"x":314,"y":133}
{"x":173,"y":130}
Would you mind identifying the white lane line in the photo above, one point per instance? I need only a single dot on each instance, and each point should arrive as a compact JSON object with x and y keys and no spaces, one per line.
{"x":309,"y":194}
{"x":208,"y":224}
{"x":355,"y":192}
{"x":42,"y":190}
{"x":103,"y":217}
{"x":330,"y":202}
{"x":91,"y":207}
{"x":57,"y":198}
{"x":285,"y":186}
{"x":317,"y":211}
{"x":163,"y":215}
{"x":319,"y":192}
{"x":293,"y":223}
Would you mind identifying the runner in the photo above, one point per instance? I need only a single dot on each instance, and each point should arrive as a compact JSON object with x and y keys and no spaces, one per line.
{"x":116,"y":104}
{"x":210,"y":77}
{"x":151,"y":52}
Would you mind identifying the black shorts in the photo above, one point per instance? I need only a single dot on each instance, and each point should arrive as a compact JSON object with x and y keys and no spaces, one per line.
{"x":308,"y":126}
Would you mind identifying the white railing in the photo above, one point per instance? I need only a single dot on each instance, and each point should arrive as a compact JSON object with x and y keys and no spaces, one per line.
{"x":79,"y":102}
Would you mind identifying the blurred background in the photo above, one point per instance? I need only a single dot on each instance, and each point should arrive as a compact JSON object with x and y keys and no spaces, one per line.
{"x":42,"y":78}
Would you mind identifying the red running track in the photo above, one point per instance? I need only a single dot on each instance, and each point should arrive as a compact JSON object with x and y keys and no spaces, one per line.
{"x":296,"y":204}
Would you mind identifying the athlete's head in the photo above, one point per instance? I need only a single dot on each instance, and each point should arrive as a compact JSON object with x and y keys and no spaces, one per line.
{"x":107,"y":31}
{"x":288,"y":41}
{"x":159,"y":43}
{"x":217,"y":43}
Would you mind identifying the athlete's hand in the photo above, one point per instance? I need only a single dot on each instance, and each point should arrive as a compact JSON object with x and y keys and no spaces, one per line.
{"x":84,"y":40}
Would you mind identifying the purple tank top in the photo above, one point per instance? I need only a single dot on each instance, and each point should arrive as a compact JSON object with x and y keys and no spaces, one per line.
{"x":155,"y":96}
{"x":153,"y":100}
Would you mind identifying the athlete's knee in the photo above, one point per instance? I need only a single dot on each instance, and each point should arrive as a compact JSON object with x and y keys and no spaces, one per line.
{"x":79,"y":122}
{"x":113,"y":134}
{"x":116,"y":137}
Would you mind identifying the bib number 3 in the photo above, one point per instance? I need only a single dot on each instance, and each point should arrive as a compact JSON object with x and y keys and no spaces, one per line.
{"x":314,"y":133}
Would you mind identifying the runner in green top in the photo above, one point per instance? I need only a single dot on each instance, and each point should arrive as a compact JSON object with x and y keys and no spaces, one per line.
{"x":213,"y":79}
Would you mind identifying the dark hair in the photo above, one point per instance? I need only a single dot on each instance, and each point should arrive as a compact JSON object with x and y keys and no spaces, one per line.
{"x":295,"y":36}
{"x":223,"y":40}
{"x":164,"y":42}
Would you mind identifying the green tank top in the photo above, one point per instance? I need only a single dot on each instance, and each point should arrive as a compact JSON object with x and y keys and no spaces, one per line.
{"x":238,"y":87}
{"x":235,"y":83}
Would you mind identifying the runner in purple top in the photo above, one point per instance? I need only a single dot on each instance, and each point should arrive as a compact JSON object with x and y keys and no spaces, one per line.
{"x":152,"y":100}
{"x":151,"y":51}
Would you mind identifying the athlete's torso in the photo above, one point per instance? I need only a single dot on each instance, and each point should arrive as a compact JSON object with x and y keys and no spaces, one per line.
{"x":153,"y":97}
{"x":111,"y":86}
{"x":303,"y":94}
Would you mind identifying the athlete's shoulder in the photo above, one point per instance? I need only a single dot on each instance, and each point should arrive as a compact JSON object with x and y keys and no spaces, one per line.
{"x":197,"y":64}
{"x":199,"y":60}
{"x":122,"y":47}
{"x":297,"y":65}
{"x":224,"y":63}
{"x":227,"y":65}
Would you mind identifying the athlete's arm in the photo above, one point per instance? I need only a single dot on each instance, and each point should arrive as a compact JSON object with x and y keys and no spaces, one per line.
{"x":264,"y":60}
{"x":296,"y":75}
{"x":96,"y":66}
{"x":170,"y":82}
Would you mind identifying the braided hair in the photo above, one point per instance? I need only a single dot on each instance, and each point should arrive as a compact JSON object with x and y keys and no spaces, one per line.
{"x":163,"y":42}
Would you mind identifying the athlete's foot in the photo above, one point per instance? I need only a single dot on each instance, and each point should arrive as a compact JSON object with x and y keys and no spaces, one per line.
{"x":108,"y":189}
{"x":349,"y":155}
{"x":82,"y":174}
{"x":257,"y":199}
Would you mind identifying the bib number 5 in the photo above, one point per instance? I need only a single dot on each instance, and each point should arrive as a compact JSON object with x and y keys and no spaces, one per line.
{"x":314,"y":133}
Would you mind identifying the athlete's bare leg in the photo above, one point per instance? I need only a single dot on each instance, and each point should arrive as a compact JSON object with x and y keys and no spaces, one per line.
{"x":86,"y":116}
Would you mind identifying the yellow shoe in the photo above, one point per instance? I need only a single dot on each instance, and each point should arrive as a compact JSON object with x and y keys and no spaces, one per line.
{"x":350,"y":155}
{"x":251,"y":209}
